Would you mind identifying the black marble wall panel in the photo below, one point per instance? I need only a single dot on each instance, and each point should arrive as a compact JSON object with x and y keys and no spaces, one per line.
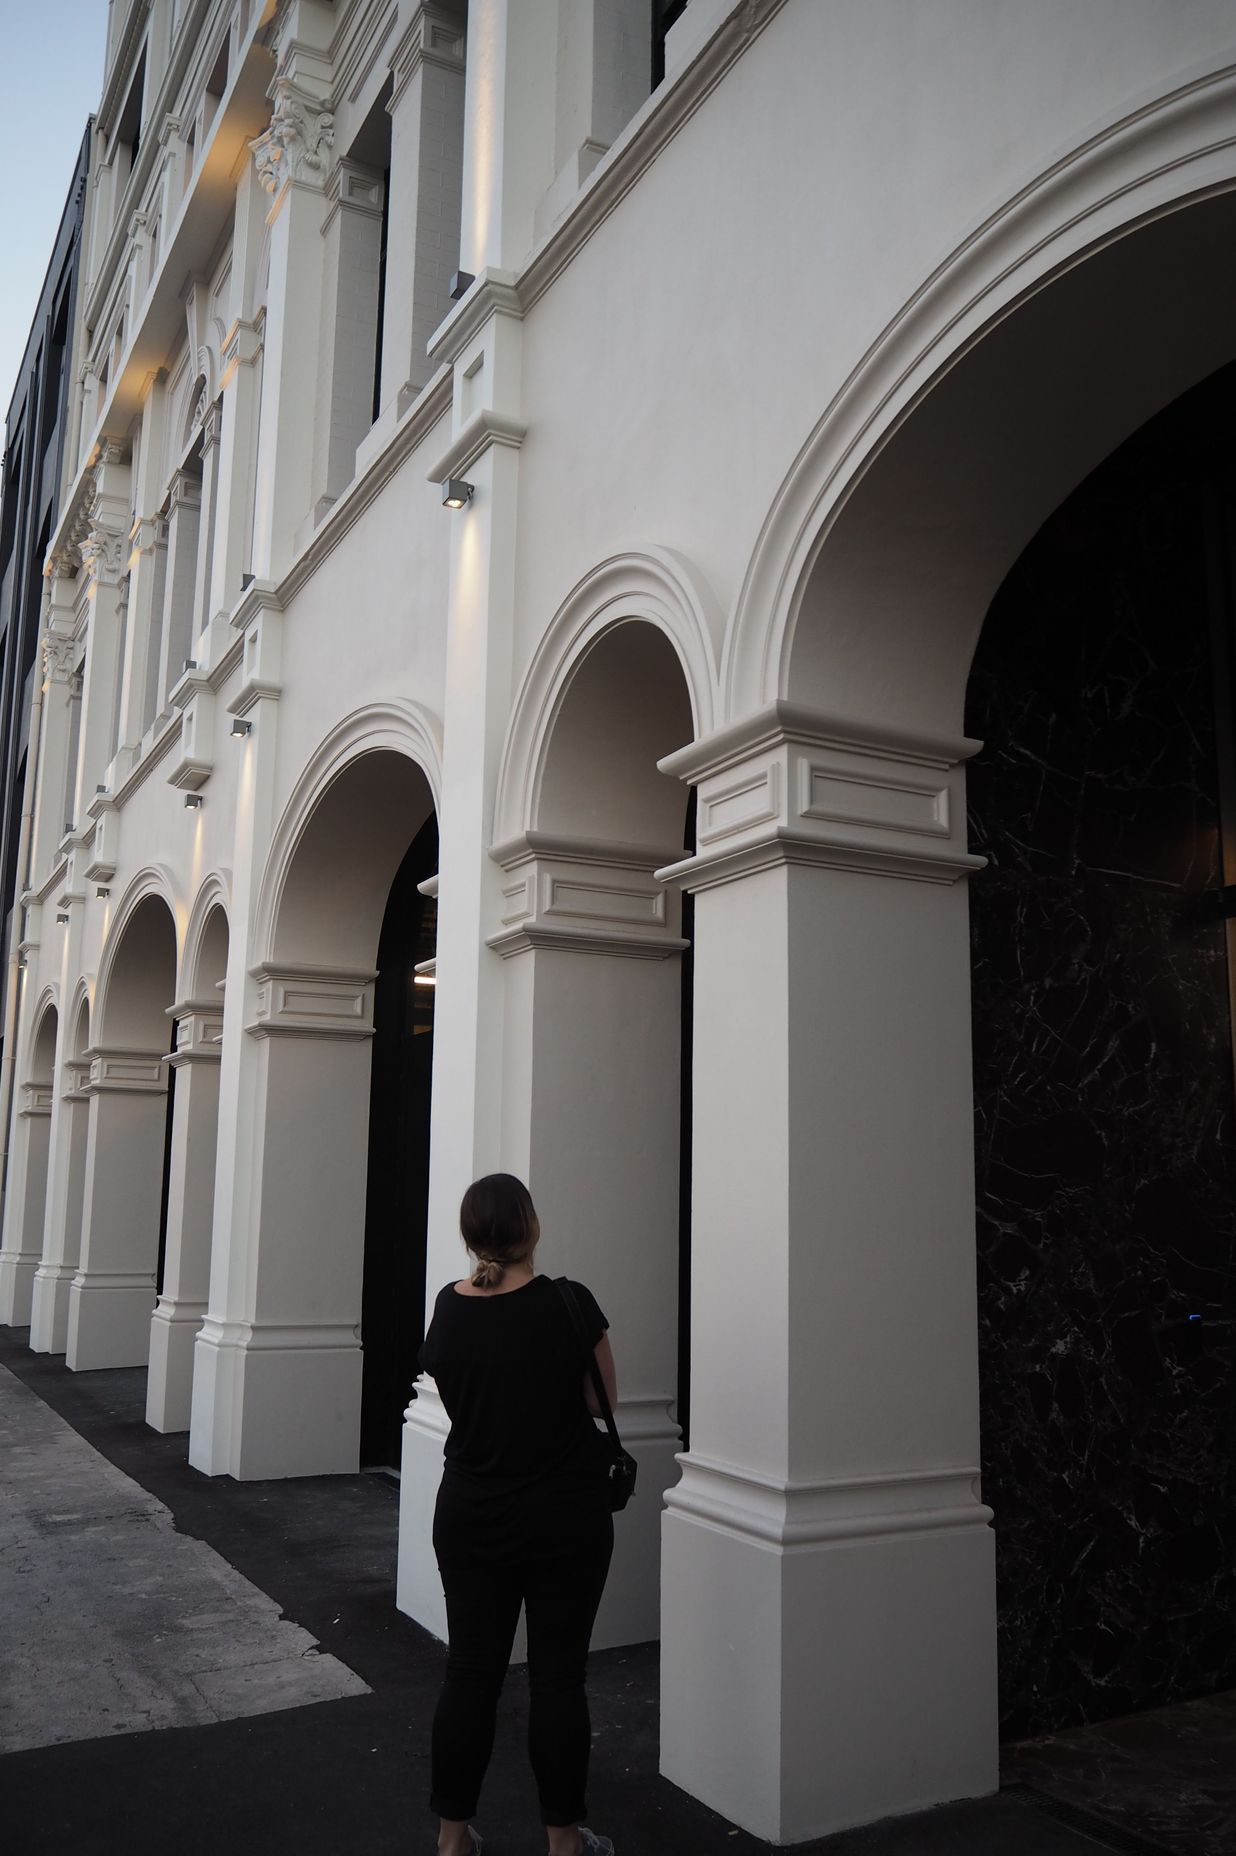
{"x":1104,"y":1097}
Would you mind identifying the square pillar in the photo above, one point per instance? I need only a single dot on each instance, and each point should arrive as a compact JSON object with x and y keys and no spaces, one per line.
{"x":182,"y":1301}
{"x":113,"y":1292}
{"x":829,"y":1568}
{"x":591,"y":1100}
{"x":25,"y":1204}
{"x":277,"y":1375}
{"x":105,"y":563}
{"x":62,"y":1233}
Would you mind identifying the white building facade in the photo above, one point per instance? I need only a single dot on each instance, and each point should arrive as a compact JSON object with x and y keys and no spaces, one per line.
{"x":759,"y":382}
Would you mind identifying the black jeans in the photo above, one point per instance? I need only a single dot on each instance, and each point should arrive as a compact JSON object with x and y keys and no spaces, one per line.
{"x":560,"y":1596}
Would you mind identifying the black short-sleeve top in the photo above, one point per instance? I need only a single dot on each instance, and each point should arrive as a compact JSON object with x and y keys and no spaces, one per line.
{"x":510,"y":1369}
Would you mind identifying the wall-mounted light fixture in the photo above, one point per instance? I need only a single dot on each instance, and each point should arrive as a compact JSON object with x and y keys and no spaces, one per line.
{"x":100,"y":788}
{"x":193,"y":802}
{"x":460,"y":284}
{"x":246,"y":581}
{"x":63,"y":919}
{"x":455,"y":493}
{"x":190,"y":663}
{"x":68,"y":825}
{"x":240,"y":728}
{"x":102,"y":893}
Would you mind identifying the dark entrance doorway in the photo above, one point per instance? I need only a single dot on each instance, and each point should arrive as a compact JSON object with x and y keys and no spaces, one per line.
{"x":396,"y":1206}
{"x":1106,"y":1163}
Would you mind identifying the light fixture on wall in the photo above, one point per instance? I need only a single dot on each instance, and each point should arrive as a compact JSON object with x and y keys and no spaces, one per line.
{"x":63,"y":919}
{"x":246,"y":581}
{"x":193,"y":802}
{"x":190,"y":663}
{"x":240,"y":728}
{"x":102,"y":893}
{"x":455,"y":493}
{"x":460,"y":284}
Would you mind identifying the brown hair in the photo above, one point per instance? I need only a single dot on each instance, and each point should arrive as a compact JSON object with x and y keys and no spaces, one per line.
{"x":499,"y":1225}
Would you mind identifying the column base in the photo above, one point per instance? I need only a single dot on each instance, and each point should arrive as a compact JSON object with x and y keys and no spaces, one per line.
{"x":17,"y":1269}
{"x":109,"y":1321}
{"x":49,"y":1310}
{"x":828,"y":1653}
{"x":169,"y":1386}
{"x":273,"y":1402}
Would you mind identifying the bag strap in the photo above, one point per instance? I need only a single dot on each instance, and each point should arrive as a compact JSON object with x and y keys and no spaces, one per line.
{"x":577,"y":1321}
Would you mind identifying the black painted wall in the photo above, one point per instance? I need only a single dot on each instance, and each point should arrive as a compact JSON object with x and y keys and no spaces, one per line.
{"x":1106,"y":1165}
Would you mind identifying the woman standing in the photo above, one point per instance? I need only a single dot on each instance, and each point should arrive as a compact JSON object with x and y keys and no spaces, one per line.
{"x":522,"y":1516}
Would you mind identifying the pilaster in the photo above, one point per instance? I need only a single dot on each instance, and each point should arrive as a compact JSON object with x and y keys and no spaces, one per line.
{"x":113,"y":1292}
{"x":104,"y":554}
{"x":352,"y":235}
{"x":292,"y":157}
{"x":510,"y":114}
{"x":49,"y":1319}
{"x":53,"y":801}
{"x":181,"y":1306}
{"x":184,"y":517}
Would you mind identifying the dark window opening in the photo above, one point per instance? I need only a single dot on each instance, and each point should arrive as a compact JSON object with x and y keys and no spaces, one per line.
{"x":665,"y":13}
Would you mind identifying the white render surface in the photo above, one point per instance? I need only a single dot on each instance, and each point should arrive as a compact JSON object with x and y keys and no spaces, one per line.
{"x":95,"y":1576}
{"x":764,"y":381}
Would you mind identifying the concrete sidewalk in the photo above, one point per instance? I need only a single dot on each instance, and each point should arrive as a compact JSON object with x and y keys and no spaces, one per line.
{"x":327,"y":1750}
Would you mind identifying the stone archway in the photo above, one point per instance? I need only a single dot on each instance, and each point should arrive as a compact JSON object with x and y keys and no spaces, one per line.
{"x":838,"y":1492}
{"x":113,"y":1292}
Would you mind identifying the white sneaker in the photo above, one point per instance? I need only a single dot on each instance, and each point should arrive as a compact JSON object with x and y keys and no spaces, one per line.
{"x":591,"y":1842}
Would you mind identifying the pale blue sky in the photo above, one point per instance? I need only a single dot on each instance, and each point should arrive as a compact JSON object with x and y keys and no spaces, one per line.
{"x":51,"y":53}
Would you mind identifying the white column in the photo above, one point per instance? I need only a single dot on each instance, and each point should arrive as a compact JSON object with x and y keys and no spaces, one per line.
{"x":277,"y":1379}
{"x":25,"y":1204}
{"x":183,"y":527}
{"x":234,"y":512}
{"x":466,"y":1131}
{"x":352,"y":235}
{"x":113,"y":1292}
{"x":426,"y":177}
{"x":105,"y":562}
{"x":510,"y":114}
{"x":52,"y":799}
{"x":829,"y":1578}
{"x":178,"y":1313}
{"x":293,"y":157}
{"x":62,"y":1236}
{"x":591,"y":1087}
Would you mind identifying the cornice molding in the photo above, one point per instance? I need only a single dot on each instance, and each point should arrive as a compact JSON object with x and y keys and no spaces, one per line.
{"x":524,"y":937}
{"x":483,"y":430}
{"x":493,"y":293}
{"x":788,"y":721}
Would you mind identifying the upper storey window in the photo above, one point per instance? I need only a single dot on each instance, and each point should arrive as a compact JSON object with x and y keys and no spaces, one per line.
{"x":665,"y":13}
{"x":128,"y":133}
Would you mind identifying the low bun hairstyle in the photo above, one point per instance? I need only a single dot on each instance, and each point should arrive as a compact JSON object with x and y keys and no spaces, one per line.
{"x":499,"y":1225}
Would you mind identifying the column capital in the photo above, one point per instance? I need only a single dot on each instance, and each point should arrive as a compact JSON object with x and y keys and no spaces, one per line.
{"x":199,"y":1032}
{"x":314,"y":1002}
{"x":352,"y":187}
{"x":296,"y":146}
{"x":585,"y":897}
{"x":59,"y":653}
{"x":795,"y":785}
{"x":126,"y":1072}
{"x":104,"y":551}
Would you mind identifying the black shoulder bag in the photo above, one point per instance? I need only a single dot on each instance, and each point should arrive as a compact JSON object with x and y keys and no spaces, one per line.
{"x":620,"y":1475}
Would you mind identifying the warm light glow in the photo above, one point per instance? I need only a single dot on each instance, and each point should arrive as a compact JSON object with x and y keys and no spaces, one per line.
{"x":423,"y":979}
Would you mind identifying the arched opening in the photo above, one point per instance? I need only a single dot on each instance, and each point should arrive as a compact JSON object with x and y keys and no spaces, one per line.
{"x":114,"y":1291}
{"x":187,"y":1209}
{"x":840,"y":1491}
{"x":1105,"y":802}
{"x":598,"y":993}
{"x":397,"y":1198}
{"x":342,"y":1023}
